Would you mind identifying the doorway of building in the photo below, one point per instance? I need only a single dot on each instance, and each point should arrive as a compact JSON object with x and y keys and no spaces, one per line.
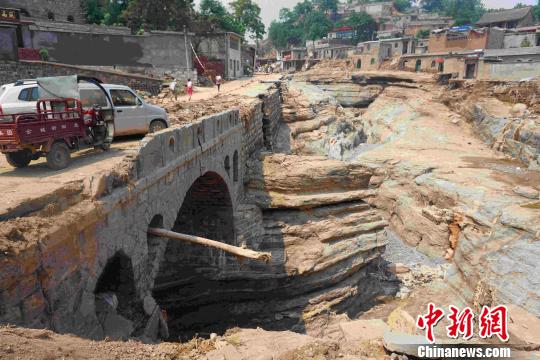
{"x":470,"y":70}
{"x":441,"y":66}
{"x":418,"y":66}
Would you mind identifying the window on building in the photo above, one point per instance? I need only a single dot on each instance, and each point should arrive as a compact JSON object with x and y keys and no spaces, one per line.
{"x":70,"y":18}
{"x":433,"y":63}
{"x":372,"y":61}
{"x":359,"y":64}
{"x":50,"y":15}
{"x":396,"y":45}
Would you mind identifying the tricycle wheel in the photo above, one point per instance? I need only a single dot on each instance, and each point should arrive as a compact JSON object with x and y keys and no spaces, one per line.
{"x":105,"y":146}
{"x":58,"y":157}
{"x":19,"y":159}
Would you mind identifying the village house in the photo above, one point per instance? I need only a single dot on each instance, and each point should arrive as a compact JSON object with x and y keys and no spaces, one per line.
{"x":490,"y":64}
{"x":249,"y":57}
{"x":465,"y":38}
{"x":293,"y":59}
{"x":410,"y":24}
{"x":377,"y":9}
{"x":344,"y":32}
{"x":224,"y":48}
{"x":522,"y":37}
{"x":370,"y":55}
{"x":508,"y":19}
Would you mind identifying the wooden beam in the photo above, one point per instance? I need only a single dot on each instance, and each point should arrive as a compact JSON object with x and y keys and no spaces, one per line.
{"x":235,"y":250}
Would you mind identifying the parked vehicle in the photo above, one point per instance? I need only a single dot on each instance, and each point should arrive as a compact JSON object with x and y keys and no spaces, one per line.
{"x":58,"y":127}
{"x":132,"y":115}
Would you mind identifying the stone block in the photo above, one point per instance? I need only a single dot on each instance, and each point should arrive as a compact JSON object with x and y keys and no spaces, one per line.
{"x":524,"y":328}
{"x":117,"y":327}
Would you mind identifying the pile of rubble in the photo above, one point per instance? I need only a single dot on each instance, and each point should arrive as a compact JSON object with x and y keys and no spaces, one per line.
{"x":182,"y":112}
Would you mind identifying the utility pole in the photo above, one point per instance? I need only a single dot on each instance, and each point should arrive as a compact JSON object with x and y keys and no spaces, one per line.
{"x":188,"y":65}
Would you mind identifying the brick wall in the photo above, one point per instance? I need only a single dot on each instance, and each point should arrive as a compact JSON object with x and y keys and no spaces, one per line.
{"x":12,"y":71}
{"x":40,"y":9}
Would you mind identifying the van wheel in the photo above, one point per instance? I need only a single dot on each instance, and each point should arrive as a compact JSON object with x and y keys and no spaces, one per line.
{"x":19,"y":159}
{"x":58,"y":157}
{"x":157,"y":125}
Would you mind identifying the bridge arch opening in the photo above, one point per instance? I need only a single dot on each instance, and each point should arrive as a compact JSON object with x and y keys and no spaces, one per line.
{"x":118,"y":305}
{"x":186,"y":276}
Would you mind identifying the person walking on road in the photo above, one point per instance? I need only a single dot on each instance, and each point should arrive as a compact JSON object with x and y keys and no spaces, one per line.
{"x":189,"y":88}
{"x":173,"y":87}
{"x":218,"y":82}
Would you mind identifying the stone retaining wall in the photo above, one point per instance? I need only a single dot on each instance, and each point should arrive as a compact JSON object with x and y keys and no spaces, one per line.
{"x":13,"y":71}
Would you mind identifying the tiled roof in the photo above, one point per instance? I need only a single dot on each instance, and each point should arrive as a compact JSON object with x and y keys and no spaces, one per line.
{"x":504,"y":15}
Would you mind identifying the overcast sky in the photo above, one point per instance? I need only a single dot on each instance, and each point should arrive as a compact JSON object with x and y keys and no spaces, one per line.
{"x":270,"y":8}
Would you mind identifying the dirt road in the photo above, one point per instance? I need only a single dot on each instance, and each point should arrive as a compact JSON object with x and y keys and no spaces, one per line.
{"x":37,"y":181}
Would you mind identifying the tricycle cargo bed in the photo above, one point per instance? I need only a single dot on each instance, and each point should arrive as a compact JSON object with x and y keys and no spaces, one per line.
{"x":52,"y":122}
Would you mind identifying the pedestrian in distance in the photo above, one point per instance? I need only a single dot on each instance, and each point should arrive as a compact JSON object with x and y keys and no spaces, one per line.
{"x":189,"y":86}
{"x":173,"y":87}
{"x":218,"y":82}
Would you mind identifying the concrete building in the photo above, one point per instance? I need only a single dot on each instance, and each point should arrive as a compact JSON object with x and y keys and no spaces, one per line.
{"x":54,"y":10}
{"x":224,"y":47}
{"x":377,"y":9}
{"x":508,"y":19}
{"x":293,"y":59}
{"x":249,"y":58}
{"x":343,"y":32}
{"x":332,"y":52}
{"x":522,"y":37}
{"x":410,"y":24}
{"x":510,"y":64}
{"x":490,"y":64}
{"x":464,"y":38}
{"x":370,"y":55}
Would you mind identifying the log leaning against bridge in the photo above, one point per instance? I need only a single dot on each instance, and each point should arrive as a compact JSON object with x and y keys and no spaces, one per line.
{"x":235,"y":250}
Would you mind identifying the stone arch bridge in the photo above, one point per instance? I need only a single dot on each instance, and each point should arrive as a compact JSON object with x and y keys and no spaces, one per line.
{"x":188,"y":179}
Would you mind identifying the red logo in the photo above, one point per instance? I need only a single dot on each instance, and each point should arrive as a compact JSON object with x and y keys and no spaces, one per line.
{"x":461,"y":323}
{"x":494,"y":322}
{"x":430,"y":320}
{"x":491,"y":322}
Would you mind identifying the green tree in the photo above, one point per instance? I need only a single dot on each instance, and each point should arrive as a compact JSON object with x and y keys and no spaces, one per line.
{"x":402,"y":5}
{"x":464,"y":11}
{"x":107,"y":12}
{"x":158,"y":14}
{"x":432,"y":5}
{"x":316,"y":25}
{"x":364,"y":24}
{"x":213,"y":11}
{"x":537,"y":11}
{"x":248,"y":14}
{"x":326,"y":5}
{"x":422,"y":34}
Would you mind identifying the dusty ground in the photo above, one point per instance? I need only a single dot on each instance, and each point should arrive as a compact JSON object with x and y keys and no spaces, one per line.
{"x":37,"y":180}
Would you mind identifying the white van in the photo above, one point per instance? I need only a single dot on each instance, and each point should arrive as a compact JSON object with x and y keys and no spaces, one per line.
{"x":131,"y":114}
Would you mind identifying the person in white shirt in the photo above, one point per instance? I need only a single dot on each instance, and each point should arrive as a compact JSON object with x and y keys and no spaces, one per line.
{"x":189,"y":88}
{"x":218,"y":82}
{"x":173,"y":87}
